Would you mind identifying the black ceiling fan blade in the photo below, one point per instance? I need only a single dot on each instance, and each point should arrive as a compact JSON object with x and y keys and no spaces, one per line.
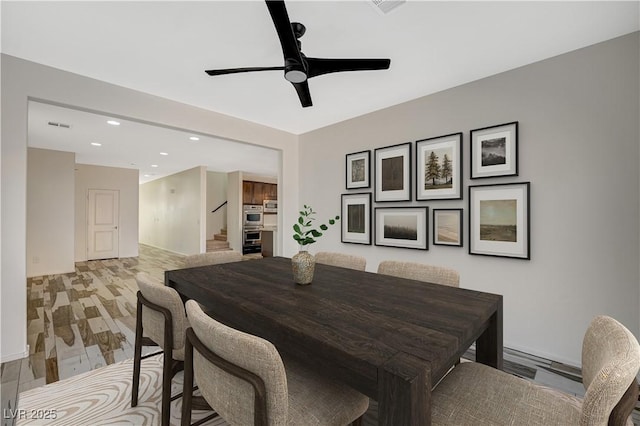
{"x":303,"y":93}
{"x":319,"y":66}
{"x":288,"y":41}
{"x":237,"y":70}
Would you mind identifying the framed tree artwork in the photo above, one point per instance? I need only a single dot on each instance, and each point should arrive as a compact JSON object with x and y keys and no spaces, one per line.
{"x":499,"y":220}
{"x":494,"y":151}
{"x":356,"y":218}
{"x":405,"y":227}
{"x":393,"y":173}
{"x":447,"y":227}
{"x":439,"y":168}
{"x":357,"y":169}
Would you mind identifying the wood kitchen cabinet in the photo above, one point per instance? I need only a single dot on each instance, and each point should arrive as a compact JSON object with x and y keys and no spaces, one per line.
{"x":257,"y":192}
{"x":270,"y":191}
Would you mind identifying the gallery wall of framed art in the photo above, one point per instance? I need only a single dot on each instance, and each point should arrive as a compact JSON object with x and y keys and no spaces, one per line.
{"x":497,"y":213}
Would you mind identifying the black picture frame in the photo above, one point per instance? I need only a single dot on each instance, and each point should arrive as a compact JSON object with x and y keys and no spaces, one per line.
{"x":356,"y":218}
{"x":434,"y":156}
{"x":448,"y":227}
{"x":494,"y":151}
{"x":402,"y":227}
{"x":393,"y":173}
{"x":358,"y":170}
{"x":499,"y":220}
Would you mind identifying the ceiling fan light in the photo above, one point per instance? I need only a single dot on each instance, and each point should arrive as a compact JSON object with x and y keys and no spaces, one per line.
{"x":295,"y":76}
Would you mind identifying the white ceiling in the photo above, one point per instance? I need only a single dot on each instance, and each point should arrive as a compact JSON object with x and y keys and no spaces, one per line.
{"x":134,"y":145}
{"x":163,"y":48}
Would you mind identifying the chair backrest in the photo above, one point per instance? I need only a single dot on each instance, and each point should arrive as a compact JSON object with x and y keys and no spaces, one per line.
{"x":153,"y":321}
{"x":420,"y":272}
{"x":610,"y":364}
{"x":212,"y":258}
{"x":342,"y":260}
{"x":230,"y":396}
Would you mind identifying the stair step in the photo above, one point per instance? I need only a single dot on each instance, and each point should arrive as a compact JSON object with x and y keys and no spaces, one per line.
{"x":215,"y":245}
{"x":220,"y":237}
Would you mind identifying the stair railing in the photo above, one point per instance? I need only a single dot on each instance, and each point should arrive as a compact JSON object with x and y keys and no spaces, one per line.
{"x":219,"y":207}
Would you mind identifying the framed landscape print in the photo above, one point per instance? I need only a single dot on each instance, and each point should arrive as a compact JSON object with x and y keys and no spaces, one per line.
{"x":494,"y":151}
{"x":405,"y":227}
{"x":499,"y":220}
{"x":439,"y":168}
{"x":393,"y":173}
{"x":356,"y":218}
{"x":447,"y":227}
{"x":358,"y":167}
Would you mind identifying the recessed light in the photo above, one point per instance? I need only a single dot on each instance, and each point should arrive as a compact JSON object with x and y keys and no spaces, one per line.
{"x":147,"y":175}
{"x":113,"y":122}
{"x":194,"y":138}
{"x":154,"y":165}
{"x":164,"y":153}
{"x":96,"y":144}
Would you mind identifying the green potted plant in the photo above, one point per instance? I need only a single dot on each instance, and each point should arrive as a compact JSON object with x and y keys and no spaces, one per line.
{"x":306,"y":233}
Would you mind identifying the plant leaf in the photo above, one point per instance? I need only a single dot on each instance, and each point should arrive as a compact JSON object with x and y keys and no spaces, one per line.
{"x":324,"y":227}
{"x":301,"y":221}
{"x":297,"y":228}
{"x":315,"y":233}
{"x":297,"y":237}
{"x":332,"y":222}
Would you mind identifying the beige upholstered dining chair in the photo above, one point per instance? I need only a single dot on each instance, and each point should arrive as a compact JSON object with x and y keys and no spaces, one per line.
{"x":160,"y":320}
{"x":342,"y":260}
{"x":246,"y":381}
{"x":212,"y":258}
{"x":420,"y":272}
{"x":475,"y":394}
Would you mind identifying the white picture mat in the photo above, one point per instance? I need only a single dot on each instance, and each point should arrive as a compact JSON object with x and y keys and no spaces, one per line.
{"x":358,"y":156}
{"x":401,"y":194}
{"x":501,"y":248}
{"x":509,"y":152}
{"x":421,"y":214}
{"x":447,"y":142}
{"x":357,"y":237}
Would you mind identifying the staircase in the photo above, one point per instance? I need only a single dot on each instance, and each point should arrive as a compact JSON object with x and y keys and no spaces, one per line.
{"x":219,"y":242}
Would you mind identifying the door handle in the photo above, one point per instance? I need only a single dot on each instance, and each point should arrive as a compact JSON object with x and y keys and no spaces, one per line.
{"x":115,"y":227}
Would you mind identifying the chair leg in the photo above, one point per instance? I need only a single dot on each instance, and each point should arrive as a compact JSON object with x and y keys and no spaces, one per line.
{"x":167,"y":375}
{"x":137,"y":356}
{"x":187,"y":392}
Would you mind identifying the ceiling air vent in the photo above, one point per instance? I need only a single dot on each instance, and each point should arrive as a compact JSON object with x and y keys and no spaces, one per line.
{"x":53,"y":123}
{"x":385,"y":6}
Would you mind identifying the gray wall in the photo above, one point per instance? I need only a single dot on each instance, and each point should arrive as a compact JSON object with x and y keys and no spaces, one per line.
{"x":172,"y":212}
{"x":50,"y":212}
{"x":579,"y":140}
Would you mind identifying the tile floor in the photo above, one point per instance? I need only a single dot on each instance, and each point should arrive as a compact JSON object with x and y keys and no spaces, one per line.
{"x":86,"y":320}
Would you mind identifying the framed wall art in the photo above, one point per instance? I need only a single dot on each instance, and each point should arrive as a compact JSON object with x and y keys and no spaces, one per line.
{"x":405,"y":227}
{"x":356,"y":218}
{"x":447,"y":227}
{"x":439,"y":168}
{"x":358,"y":170}
{"x":494,"y":151}
{"x":393,"y":173}
{"x":499,"y":220}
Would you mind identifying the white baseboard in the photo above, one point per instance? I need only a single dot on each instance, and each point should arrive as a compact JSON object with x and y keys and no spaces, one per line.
{"x":13,"y":357}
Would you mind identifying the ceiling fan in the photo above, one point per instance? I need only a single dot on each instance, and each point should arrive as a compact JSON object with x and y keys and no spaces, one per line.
{"x":298,"y":68}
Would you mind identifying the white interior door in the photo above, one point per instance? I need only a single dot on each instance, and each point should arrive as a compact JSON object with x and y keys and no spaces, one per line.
{"x":102,"y":224}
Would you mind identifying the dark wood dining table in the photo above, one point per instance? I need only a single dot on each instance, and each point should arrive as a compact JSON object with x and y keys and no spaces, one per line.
{"x":390,"y":338}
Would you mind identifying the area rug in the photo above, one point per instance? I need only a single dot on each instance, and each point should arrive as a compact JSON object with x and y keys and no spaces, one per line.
{"x":103,"y":397}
